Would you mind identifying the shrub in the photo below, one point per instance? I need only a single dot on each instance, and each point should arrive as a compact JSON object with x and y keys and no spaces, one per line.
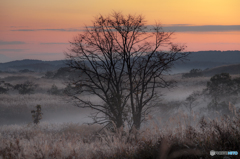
{"x":69,"y":89}
{"x":49,"y":74}
{"x":193,"y":73}
{"x":54,"y":90}
{"x":27,"y":87}
{"x":4,"y":87}
{"x":25,"y":71}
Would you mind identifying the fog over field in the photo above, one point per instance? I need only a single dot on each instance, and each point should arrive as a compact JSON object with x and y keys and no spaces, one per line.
{"x":16,"y":108}
{"x":64,"y":130}
{"x":196,"y":114}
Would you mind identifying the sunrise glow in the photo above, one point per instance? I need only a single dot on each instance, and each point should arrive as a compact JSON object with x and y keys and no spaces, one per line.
{"x":42,"y":29}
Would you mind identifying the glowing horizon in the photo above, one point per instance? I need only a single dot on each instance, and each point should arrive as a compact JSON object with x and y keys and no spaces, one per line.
{"x":42,"y":29}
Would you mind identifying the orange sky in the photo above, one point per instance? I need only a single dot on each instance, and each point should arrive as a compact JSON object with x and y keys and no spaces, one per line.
{"x":16,"y":16}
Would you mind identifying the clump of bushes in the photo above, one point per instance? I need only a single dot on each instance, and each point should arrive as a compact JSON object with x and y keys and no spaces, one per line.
{"x":27,"y":87}
{"x":193,"y":73}
{"x":61,"y":73}
{"x":54,"y":90}
{"x":26,"y":71}
{"x":49,"y":74}
{"x":5,"y":87}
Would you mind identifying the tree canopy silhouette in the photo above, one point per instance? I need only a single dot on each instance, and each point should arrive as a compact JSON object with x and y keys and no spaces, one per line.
{"x":222,"y":89}
{"x":122,"y":63}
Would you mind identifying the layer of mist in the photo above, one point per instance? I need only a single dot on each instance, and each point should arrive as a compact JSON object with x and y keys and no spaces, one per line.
{"x":16,"y":108}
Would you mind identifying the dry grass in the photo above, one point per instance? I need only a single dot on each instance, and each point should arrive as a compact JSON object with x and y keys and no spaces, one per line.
{"x":78,"y":141}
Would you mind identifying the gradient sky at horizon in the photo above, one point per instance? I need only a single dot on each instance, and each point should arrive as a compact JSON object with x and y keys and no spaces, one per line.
{"x":42,"y":29}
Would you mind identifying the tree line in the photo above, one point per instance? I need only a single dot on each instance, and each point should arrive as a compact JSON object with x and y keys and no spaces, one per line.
{"x":27,"y":87}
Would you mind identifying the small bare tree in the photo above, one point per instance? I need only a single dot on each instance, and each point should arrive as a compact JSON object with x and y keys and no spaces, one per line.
{"x":192,"y":101}
{"x":37,"y":114}
{"x":122,"y":63}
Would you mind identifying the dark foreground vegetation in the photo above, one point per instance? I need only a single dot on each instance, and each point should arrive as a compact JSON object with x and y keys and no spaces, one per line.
{"x":81,"y":141}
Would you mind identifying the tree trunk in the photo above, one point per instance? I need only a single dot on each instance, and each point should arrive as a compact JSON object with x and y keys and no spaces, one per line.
{"x":137,"y":121}
{"x":119,"y":121}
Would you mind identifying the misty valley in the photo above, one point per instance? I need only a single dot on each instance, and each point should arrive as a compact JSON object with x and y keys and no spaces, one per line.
{"x":195,"y":113}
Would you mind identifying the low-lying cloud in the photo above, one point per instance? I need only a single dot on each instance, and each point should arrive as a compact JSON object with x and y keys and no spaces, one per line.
{"x":224,"y":43}
{"x":201,"y":28}
{"x":173,"y":27}
{"x":11,"y":42}
{"x":12,"y":50}
{"x":61,"y":29}
{"x":54,"y":43}
{"x":43,"y":54}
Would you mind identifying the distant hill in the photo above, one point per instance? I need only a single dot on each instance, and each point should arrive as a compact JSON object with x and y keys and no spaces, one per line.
{"x":207,"y":59}
{"x":197,"y":60}
{"x":216,"y":56}
{"x":32,"y":65}
{"x":231,"y":69}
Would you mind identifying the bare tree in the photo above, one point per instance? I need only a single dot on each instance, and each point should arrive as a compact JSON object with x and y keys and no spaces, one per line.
{"x":122,"y":63}
{"x":192,"y":101}
{"x":94,"y":53}
{"x":37,"y":114}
